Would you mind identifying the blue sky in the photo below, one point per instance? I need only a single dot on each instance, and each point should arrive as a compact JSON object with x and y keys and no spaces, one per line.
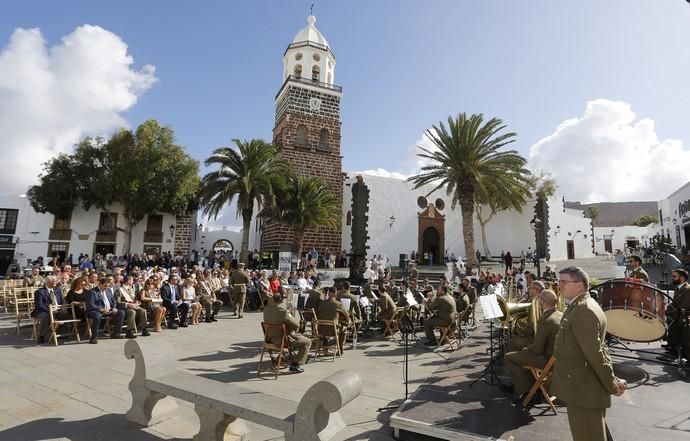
{"x":403,"y":65}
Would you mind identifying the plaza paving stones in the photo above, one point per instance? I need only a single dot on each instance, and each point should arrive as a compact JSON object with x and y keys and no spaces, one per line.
{"x":79,"y":392}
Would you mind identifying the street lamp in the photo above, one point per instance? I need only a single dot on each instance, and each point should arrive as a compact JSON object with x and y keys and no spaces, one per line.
{"x":391,"y":221}
{"x":172,"y":230}
{"x":536,"y":225}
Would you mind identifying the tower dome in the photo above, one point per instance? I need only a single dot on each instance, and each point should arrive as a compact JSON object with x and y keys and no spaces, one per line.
{"x":309,"y":57}
{"x":310,"y":33}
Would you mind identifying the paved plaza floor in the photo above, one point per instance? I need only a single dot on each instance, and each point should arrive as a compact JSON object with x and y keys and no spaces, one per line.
{"x":79,"y":392}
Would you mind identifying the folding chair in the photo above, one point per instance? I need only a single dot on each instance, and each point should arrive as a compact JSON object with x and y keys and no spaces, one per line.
{"x":308,"y":316}
{"x":283,"y":348}
{"x":23,"y":302}
{"x":391,"y":325}
{"x":541,"y":378}
{"x":55,"y":324}
{"x":321,"y":325}
{"x":447,"y":333}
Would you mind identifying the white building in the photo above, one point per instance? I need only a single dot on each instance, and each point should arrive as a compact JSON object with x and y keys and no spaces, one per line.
{"x":26,"y":234}
{"x":610,"y":239}
{"x":674,"y":216}
{"x":396,"y":224}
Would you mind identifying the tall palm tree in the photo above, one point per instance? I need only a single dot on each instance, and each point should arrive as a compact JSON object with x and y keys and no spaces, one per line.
{"x":250,"y":174}
{"x":305,"y":203}
{"x":468,"y":162}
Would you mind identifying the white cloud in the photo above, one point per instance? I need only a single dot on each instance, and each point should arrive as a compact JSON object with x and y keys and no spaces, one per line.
{"x":608,"y":154}
{"x":50,"y":97}
{"x":383,"y":173}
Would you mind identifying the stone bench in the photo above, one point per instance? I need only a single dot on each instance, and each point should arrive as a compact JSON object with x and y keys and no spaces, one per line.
{"x":222,"y":407}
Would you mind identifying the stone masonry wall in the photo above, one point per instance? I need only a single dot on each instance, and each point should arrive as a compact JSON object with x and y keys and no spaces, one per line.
{"x":183,"y":236}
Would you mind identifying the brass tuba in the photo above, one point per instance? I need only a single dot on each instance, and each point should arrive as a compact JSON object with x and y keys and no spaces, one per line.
{"x":517,"y":316}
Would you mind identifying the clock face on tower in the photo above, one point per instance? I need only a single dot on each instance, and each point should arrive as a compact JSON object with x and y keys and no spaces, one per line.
{"x":314,"y":104}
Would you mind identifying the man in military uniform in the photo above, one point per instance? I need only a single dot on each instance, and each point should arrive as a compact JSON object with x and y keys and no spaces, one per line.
{"x":35,"y":280}
{"x":314,"y":299}
{"x":444,"y":312}
{"x":239,"y":279}
{"x":549,"y":274}
{"x":583,"y":375}
{"x":537,"y":353}
{"x":681,"y":297}
{"x":356,"y":311}
{"x":412,"y":273}
{"x":387,"y":307}
{"x":275,"y":314}
{"x":332,"y":309}
{"x":523,"y":336}
{"x":636,"y":270}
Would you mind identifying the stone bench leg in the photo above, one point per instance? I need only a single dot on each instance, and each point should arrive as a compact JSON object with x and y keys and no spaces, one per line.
{"x":214,"y":424}
{"x":158,"y":358}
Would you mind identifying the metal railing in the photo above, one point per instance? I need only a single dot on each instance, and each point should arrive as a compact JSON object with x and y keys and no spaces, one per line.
{"x":302,"y":80}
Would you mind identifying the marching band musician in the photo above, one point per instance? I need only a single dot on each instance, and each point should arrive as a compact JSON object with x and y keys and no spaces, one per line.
{"x":681,"y":296}
{"x":332,"y":309}
{"x":443,"y":308}
{"x":583,"y":374}
{"x":523,"y":337}
{"x":537,"y":353}
{"x":636,"y":270}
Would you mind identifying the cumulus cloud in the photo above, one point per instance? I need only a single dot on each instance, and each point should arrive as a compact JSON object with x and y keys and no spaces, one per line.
{"x":50,"y":97}
{"x":608,"y":154}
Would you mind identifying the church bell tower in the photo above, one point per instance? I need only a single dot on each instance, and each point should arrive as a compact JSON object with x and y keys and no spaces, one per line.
{"x":307,"y":128}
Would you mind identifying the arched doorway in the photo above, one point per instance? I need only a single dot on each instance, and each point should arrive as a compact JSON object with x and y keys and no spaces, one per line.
{"x":431,"y":232}
{"x":431,"y":242}
{"x":222,"y":246}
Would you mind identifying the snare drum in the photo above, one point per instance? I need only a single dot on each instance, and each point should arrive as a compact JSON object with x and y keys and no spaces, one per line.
{"x":634,"y":310}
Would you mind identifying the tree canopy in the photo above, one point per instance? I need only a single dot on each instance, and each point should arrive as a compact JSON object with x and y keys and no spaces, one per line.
{"x":248,"y":174}
{"x":144,"y":170}
{"x":469,"y":161}
{"x":646,"y":219}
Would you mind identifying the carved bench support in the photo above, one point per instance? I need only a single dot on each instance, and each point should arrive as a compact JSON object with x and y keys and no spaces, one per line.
{"x":214,"y":425}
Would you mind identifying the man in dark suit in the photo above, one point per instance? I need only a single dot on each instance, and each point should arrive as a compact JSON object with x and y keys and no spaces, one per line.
{"x":45,"y":298}
{"x":101,"y":303}
{"x":537,"y":353}
{"x":172,"y":301}
{"x":674,"y":312}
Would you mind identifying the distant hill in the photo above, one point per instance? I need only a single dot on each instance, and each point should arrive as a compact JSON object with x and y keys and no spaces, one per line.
{"x":614,"y":214}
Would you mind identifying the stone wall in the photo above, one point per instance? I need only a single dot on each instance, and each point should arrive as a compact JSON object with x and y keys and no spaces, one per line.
{"x":310,"y":158}
{"x":183,"y":235}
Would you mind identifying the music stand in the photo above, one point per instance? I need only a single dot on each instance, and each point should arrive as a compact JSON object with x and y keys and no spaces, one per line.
{"x":491,"y":311}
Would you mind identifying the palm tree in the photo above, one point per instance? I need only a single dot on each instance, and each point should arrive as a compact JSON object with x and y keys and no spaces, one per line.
{"x":305,"y":203}
{"x":468,"y":162}
{"x":249,"y":173}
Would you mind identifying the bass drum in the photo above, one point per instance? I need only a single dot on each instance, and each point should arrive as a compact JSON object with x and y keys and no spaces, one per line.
{"x":634,"y":310}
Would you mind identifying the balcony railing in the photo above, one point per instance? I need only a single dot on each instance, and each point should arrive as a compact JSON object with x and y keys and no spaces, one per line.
{"x":106,"y":235}
{"x":58,"y":234}
{"x":153,"y":237}
{"x":303,"y":80}
{"x":308,"y":44}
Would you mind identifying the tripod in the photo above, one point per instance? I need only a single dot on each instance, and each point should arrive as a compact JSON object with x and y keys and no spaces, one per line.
{"x":406,"y":327}
{"x":490,"y":368}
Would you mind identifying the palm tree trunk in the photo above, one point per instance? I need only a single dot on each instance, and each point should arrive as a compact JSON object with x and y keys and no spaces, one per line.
{"x":246,"y":225}
{"x":299,"y":242}
{"x":467,"y":211}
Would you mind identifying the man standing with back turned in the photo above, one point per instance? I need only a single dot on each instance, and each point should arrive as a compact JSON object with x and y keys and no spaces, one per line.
{"x":583,"y":374}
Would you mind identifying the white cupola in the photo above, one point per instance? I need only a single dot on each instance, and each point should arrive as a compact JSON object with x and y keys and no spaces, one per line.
{"x":309,"y":56}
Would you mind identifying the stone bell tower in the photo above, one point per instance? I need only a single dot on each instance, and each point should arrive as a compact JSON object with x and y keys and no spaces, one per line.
{"x":307,"y":128}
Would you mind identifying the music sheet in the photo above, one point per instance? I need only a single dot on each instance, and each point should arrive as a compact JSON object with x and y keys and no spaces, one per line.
{"x":490,"y":307}
{"x":346,"y":303}
{"x":411,"y":301}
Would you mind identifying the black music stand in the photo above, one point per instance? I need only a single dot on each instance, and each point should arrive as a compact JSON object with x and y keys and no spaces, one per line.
{"x":491,"y":311}
{"x":406,"y":328}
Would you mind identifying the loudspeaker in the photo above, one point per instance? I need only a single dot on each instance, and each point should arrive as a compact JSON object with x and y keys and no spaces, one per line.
{"x":402,"y":263}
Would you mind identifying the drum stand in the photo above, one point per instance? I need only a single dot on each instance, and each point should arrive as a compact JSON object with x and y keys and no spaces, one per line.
{"x":616,"y":343}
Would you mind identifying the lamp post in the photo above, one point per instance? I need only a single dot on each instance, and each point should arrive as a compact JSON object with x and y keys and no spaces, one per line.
{"x":172,"y":230}
{"x":536,"y":224}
